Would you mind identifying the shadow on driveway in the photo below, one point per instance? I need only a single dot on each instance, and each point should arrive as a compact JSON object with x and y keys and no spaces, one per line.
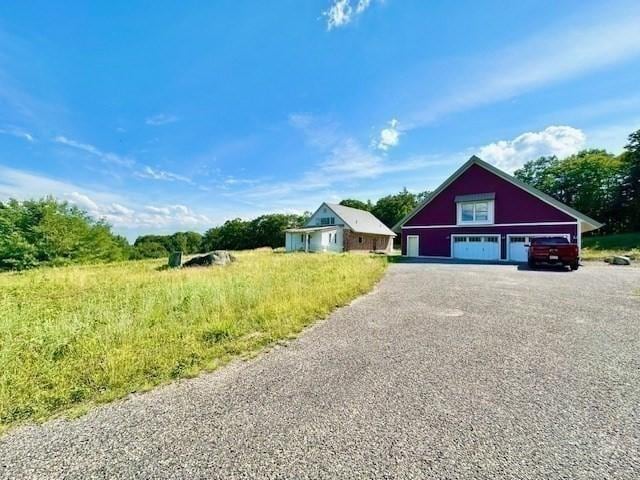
{"x":454,"y":261}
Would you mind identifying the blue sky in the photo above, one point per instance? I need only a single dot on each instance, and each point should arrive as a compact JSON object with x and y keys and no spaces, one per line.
{"x":163,"y":116}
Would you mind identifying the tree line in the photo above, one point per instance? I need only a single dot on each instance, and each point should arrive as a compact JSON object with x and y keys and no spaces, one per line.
{"x":236,"y":234}
{"x":49,"y":232}
{"x":595,"y":182}
{"x":390,"y":209}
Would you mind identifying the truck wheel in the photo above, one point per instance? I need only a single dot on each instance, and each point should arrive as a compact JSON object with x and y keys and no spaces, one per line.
{"x":532,"y":264}
{"x":574,"y":266}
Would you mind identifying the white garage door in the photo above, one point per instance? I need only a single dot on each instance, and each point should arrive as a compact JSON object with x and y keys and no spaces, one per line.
{"x":476,"y":247}
{"x":518,"y":249}
{"x":518,"y":246}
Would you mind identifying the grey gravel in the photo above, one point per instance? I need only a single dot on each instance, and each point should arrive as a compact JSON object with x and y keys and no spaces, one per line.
{"x":444,"y":371}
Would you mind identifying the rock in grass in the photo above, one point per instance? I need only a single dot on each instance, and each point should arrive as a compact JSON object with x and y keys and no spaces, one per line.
{"x":217,"y":257}
{"x":620,"y":260}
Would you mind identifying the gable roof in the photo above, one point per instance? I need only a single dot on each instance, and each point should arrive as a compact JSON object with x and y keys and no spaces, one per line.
{"x":474,"y":160}
{"x":357,"y":220}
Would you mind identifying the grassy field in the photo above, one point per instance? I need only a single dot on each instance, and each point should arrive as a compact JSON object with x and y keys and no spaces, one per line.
{"x":73,"y":336}
{"x":601,"y":247}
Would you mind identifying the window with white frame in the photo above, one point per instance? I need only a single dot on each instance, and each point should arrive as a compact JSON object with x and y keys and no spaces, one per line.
{"x":475,"y":212}
{"x":327,"y":220}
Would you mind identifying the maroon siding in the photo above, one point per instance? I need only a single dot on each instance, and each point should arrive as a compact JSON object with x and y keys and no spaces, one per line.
{"x":436,"y":242}
{"x":512,"y":204}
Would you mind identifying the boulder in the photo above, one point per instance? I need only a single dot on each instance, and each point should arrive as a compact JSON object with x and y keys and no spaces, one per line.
{"x":620,"y":260}
{"x":217,"y":257}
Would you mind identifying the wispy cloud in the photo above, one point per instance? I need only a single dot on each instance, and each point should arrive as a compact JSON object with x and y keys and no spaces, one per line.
{"x":389,"y":136}
{"x":106,"y":157}
{"x":510,"y":155}
{"x":130,"y":163}
{"x":121,"y":212}
{"x":231,"y":180}
{"x":17,"y":132}
{"x":318,"y":133}
{"x":161,"y":119}
{"x":343,"y":12}
{"x":154,"y":174}
{"x":548,"y":58}
{"x":342,"y":160}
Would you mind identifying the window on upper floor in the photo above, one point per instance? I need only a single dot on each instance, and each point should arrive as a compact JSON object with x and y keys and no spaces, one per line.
{"x":475,"y":212}
{"x":327,"y":220}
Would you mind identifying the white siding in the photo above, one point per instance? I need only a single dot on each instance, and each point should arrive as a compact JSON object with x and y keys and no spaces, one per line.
{"x":336,"y":244}
{"x":293,"y":242}
{"x":318,"y":241}
{"x":324,"y":211}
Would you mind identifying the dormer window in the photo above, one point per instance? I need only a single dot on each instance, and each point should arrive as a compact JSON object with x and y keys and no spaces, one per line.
{"x":327,"y":220}
{"x":475,"y":209}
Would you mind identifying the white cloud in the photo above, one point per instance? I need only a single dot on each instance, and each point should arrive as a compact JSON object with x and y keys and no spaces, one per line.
{"x":342,"y":161}
{"x":149,"y":172}
{"x":160,"y":119}
{"x":550,"y":57}
{"x":83,"y":201}
{"x":389,"y":136}
{"x":121,"y":209}
{"x":106,"y":157}
{"x":342,"y":12}
{"x":509,"y":155}
{"x":231,"y":180}
{"x":149,"y":216}
{"x":17,"y":132}
{"x":129,"y":163}
{"x":347,"y":160}
{"x":124,"y":214}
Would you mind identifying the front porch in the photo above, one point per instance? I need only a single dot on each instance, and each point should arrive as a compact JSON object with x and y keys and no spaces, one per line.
{"x":313,"y":239}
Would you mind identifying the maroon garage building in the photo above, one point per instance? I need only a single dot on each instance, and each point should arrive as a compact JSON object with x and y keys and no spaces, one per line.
{"x":483,"y":213}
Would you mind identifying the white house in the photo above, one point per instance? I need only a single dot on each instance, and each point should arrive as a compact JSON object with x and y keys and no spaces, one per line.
{"x":336,"y":228}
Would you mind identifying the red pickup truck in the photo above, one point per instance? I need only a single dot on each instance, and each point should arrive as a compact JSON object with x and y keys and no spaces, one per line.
{"x":553,"y":251}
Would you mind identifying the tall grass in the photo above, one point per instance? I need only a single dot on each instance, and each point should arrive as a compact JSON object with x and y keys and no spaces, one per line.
{"x":77,"y":335}
{"x":604,"y":246}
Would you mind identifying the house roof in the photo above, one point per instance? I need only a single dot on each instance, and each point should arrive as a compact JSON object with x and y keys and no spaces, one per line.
{"x":310,"y":229}
{"x":588,"y":222}
{"x":359,"y":221}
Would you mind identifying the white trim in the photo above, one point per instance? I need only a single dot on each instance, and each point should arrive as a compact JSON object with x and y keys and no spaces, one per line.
{"x":491,"y":206}
{"x":477,"y":235}
{"x":534,"y":224}
{"x":325,"y":204}
{"x":417,"y":237}
{"x":507,"y":251}
{"x":505,"y":176}
{"x":579,"y":239}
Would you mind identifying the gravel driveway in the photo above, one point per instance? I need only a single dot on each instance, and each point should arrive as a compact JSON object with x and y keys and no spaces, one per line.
{"x":444,"y":371}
